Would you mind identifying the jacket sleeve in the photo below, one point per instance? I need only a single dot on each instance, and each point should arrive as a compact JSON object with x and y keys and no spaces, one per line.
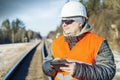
{"x":104,"y":67}
{"x":48,"y":70}
{"x":46,"y":67}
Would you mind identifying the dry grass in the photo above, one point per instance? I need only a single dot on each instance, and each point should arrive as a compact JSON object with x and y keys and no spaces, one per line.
{"x":117,"y":61}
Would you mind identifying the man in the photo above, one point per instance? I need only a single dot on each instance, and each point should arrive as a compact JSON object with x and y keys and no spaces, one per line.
{"x":87,"y":56}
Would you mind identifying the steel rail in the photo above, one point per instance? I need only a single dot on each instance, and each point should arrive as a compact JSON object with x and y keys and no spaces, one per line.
{"x":44,"y":55}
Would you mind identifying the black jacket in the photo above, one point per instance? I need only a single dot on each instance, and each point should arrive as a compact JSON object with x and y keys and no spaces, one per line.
{"x":104,"y":67}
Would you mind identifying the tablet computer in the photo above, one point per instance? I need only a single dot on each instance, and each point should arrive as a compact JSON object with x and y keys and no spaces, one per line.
{"x":59,"y":63}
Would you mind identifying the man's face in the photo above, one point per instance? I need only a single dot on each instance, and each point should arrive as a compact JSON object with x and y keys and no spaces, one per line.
{"x":70,"y":27}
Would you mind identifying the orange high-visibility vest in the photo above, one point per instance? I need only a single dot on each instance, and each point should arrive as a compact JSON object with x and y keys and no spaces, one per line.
{"x":85,"y":50}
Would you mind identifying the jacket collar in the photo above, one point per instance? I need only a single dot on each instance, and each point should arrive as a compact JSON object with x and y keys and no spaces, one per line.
{"x":72,"y":40}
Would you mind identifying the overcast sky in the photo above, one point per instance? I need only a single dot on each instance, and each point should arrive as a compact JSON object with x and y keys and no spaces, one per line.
{"x":38,"y":15}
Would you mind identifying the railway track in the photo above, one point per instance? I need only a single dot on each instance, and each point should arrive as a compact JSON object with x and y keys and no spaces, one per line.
{"x":29,"y":67}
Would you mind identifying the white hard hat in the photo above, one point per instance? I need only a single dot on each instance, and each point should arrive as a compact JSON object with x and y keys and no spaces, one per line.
{"x":74,"y":8}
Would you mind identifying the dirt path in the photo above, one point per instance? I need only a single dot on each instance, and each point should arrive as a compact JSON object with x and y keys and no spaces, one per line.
{"x":35,"y":69}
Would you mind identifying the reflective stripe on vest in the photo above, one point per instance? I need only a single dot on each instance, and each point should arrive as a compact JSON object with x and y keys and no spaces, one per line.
{"x":62,"y":77}
{"x":84,"y":51}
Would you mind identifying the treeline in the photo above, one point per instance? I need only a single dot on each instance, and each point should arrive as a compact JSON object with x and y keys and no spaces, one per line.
{"x":15,"y":32}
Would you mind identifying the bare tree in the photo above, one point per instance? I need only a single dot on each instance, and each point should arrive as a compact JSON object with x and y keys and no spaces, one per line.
{"x":6,"y":31}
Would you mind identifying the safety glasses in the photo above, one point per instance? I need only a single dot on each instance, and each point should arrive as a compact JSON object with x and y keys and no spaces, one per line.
{"x":67,"y":21}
